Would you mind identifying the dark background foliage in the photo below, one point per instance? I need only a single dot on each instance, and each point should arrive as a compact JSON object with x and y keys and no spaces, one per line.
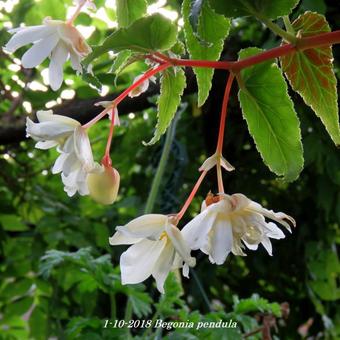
{"x":60,"y":277}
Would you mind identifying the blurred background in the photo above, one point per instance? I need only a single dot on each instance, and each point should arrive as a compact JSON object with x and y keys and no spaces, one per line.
{"x":59,"y":278}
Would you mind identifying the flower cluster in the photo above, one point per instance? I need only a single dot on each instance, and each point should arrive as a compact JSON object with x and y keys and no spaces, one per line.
{"x":226,"y":224}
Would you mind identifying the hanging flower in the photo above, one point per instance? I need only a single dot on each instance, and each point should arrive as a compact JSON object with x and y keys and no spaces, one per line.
{"x":51,"y":130}
{"x":142,"y":87}
{"x":214,"y":160}
{"x":55,"y":39}
{"x":76,"y":160}
{"x":157,"y":247}
{"x":227,"y":223}
{"x":113,"y":114}
{"x":104,"y":184}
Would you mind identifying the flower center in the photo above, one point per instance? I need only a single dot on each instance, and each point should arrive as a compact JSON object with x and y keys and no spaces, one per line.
{"x":163,"y":235}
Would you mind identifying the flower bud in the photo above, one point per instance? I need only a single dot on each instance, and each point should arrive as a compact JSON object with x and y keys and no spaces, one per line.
{"x":104,"y":185}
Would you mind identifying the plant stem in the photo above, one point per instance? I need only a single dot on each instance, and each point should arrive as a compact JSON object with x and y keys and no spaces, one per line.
{"x":125,"y":93}
{"x":315,"y":41}
{"x":288,"y":25}
{"x":201,"y":289}
{"x":191,"y":196}
{"x":76,"y":13}
{"x":113,"y":306}
{"x":224,"y":113}
{"x":161,"y":167}
{"x":278,"y":30}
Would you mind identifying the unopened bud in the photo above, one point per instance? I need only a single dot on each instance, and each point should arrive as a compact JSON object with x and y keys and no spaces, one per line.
{"x":104,"y":185}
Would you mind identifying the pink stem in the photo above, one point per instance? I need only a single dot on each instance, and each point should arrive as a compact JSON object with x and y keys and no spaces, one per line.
{"x":125,"y":93}
{"x":191,"y":196}
{"x":224,"y":113}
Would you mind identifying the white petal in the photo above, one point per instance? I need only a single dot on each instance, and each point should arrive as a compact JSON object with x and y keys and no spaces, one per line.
{"x":70,"y":164}
{"x":221,"y":240}
{"x":213,"y":160}
{"x":47,"y":130}
{"x":44,"y":145}
{"x":119,"y":238}
{"x":251,"y":246}
{"x":273,"y":231}
{"x":48,"y":116}
{"x":75,"y":61}
{"x":58,"y":165}
{"x":196,"y":231}
{"x":114,"y":114}
{"x":185,"y":270}
{"x":267,"y":245}
{"x":137,"y":263}
{"x":83,"y":148}
{"x":39,"y":51}
{"x":58,"y":58}
{"x":163,"y":266}
{"x":179,"y":243}
{"x":27,"y":35}
{"x":141,"y":88}
{"x":146,"y":226}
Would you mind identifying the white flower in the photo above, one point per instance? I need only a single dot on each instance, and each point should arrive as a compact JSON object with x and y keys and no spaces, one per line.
{"x":157,"y":247}
{"x":51,"y":130}
{"x":227,"y":221}
{"x":55,"y":39}
{"x":112,"y":113}
{"x":76,"y":160}
{"x":142,"y":87}
{"x":215,"y":159}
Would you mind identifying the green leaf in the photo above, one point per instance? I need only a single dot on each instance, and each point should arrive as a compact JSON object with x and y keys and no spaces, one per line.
{"x":12,"y":223}
{"x":141,"y":303}
{"x":207,"y":44}
{"x":271,"y":118}
{"x":270,"y":9}
{"x":153,"y":33}
{"x":256,"y":303}
{"x":129,"y":11}
{"x":173,"y":82}
{"x":310,"y":73}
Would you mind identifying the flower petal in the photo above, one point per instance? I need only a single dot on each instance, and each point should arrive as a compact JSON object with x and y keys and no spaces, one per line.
{"x":146,"y":226}
{"x":75,"y":61}
{"x":119,"y":238}
{"x":59,"y":163}
{"x":44,"y":145}
{"x":179,"y":243}
{"x":137,"y":263}
{"x":83,"y":148}
{"x":27,"y":35}
{"x":58,"y":58}
{"x":267,"y":245}
{"x":47,"y":130}
{"x":273,"y":231}
{"x":221,"y":240}
{"x":196,"y":231}
{"x":39,"y":51}
{"x":163,"y":266}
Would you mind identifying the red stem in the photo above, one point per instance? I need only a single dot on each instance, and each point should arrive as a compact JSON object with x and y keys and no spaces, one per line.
{"x":190,"y":198}
{"x":315,"y":41}
{"x":109,"y":139}
{"x":224,"y":113}
{"x":116,"y":101}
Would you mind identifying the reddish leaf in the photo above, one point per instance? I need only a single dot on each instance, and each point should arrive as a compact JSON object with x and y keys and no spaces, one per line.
{"x":310,"y":73}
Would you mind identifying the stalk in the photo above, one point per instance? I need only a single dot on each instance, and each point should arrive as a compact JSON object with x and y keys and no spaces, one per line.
{"x":155,"y":186}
